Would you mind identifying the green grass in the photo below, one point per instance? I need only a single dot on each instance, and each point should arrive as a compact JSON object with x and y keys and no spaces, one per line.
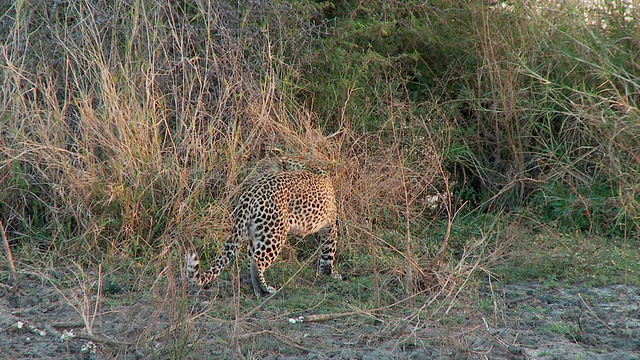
{"x":569,"y":331}
{"x":573,"y":258}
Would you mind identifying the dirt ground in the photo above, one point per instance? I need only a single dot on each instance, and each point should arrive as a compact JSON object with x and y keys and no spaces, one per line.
{"x":40,"y":321}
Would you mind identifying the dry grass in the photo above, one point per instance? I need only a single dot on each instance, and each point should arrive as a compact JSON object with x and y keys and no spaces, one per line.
{"x":128,"y":129}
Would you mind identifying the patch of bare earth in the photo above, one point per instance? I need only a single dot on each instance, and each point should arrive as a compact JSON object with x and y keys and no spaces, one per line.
{"x":524,"y":321}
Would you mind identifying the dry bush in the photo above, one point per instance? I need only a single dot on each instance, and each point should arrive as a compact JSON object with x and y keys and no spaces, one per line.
{"x":121,"y":118}
{"x":547,"y":110}
{"x":129,"y":128}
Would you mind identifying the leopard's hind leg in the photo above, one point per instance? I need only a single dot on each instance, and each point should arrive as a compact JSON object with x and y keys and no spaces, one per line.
{"x":263,"y":250}
{"x":328,"y":244}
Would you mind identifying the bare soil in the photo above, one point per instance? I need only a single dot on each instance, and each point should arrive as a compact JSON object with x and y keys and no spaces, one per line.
{"x":516,"y":321}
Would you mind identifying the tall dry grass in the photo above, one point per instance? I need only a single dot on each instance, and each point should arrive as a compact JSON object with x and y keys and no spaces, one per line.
{"x":121,"y":118}
{"x":128,"y":127}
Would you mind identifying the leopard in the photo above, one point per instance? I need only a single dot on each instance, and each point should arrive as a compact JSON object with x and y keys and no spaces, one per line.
{"x":293,"y":198}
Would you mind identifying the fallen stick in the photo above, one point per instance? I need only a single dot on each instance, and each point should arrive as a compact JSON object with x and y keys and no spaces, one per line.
{"x":67,"y":325}
{"x":328,"y":317}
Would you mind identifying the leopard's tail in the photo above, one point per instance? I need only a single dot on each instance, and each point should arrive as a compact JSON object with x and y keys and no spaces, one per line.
{"x":199,"y":277}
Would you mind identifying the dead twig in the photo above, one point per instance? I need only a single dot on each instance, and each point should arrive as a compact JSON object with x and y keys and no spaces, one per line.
{"x":67,"y":325}
{"x":595,"y":315}
{"x":329,"y":317}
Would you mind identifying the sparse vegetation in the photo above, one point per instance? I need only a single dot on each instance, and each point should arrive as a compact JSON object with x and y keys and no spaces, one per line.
{"x":470,"y":142}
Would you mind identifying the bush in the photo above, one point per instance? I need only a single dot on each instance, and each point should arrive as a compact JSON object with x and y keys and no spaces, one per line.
{"x":516,"y":98}
{"x":130,"y":126}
